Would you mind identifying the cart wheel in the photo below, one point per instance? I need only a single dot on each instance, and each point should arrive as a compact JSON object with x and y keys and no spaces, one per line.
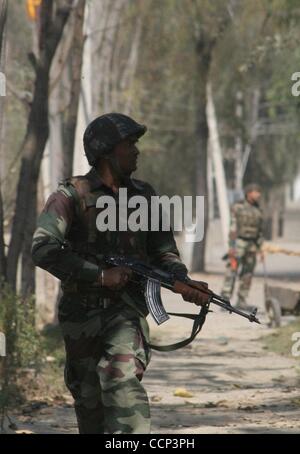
{"x":273,"y":312}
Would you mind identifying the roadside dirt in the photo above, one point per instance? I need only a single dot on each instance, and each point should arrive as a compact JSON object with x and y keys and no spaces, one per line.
{"x":237,"y":385}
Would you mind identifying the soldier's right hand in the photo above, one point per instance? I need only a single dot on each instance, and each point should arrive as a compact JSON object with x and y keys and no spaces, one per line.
{"x":116,"y":278}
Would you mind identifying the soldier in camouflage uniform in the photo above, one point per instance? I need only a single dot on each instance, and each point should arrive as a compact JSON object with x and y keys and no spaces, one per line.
{"x":102,"y":313}
{"x":245,"y":241}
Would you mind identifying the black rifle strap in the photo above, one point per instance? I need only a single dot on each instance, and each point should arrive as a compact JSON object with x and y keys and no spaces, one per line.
{"x":199,"y":320}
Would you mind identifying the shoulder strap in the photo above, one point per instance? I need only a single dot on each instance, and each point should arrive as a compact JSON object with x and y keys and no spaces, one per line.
{"x":81,"y":190}
{"x":199,"y":320}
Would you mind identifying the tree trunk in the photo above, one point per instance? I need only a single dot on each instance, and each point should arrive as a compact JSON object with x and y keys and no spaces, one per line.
{"x":3,"y":16}
{"x":51,"y":30}
{"x":67,"y":128}
{"x":205,"y":43}
{"x":70,"y":115}
{"x":204,"y":54}
{"x":253,"y":129}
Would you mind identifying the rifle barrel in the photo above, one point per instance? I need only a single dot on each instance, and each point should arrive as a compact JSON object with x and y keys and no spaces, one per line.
{"x":219,"y":301}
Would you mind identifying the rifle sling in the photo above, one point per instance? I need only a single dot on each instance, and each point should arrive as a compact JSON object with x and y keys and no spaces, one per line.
{"x":199,"y":320}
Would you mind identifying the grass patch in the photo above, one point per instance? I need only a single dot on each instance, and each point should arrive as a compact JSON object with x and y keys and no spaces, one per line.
{"x":280,"y":341}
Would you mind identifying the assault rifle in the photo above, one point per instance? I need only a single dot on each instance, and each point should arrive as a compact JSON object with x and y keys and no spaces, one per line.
{"x":152,"y":279}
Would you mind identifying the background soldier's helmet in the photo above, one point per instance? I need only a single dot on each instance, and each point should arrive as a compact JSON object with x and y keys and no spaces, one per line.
{"x":106,"y":131}
{"x":252,"y":187}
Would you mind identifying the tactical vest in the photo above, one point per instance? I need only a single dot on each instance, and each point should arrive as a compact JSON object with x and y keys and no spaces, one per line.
{"x":249,"y":221}
{"x":87,"y":241}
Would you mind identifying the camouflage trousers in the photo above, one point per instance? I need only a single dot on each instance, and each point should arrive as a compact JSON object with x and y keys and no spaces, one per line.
{"x":246,"y":256}
{"x":106,"y":356}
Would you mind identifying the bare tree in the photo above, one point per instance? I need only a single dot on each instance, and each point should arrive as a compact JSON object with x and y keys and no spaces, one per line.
{"x":64,"y":93}
{"x":53,"y":17}
{"x":204,"y":47}
{"x":65,"y":74}
{"x":209,"y":23}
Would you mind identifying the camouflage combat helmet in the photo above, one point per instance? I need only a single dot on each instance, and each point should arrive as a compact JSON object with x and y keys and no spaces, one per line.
{"x":106,"y":131}
{"x":252,"y":187}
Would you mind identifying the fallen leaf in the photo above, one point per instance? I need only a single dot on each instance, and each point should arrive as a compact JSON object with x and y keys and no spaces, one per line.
{"x":182,"y":392}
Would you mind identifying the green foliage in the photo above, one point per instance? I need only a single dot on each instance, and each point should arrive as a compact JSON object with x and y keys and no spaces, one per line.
{"x":27,"y":336}
{"x":17,"y":322}
{"x":30,"y":355}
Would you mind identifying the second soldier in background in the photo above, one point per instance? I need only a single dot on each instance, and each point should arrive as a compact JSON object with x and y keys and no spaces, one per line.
{"x":245,"y":241}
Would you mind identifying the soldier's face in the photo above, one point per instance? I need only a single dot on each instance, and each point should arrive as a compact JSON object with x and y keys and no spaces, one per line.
{"x":127,"y":153}
{"x":254,"y":196}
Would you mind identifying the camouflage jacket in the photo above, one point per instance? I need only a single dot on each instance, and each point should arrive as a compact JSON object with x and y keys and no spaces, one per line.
{"x":246,"y":223}
{"x":68,"y":244}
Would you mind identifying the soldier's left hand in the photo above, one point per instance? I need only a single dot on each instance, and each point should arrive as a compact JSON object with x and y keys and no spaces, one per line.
{"x":200,"y":295}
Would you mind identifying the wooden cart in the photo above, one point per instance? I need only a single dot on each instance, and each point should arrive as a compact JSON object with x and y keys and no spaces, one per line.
{"x":281,"y":299}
